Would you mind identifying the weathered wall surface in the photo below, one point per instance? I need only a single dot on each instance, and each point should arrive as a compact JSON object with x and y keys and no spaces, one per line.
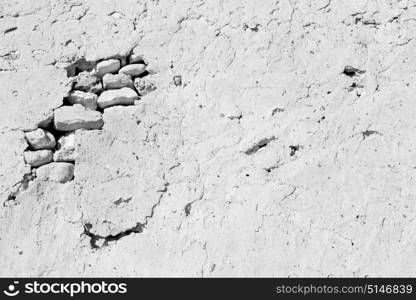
{"x":271,"y":158}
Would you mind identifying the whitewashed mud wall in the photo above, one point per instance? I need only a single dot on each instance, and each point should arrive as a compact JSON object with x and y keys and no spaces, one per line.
{"x":271,"y":138}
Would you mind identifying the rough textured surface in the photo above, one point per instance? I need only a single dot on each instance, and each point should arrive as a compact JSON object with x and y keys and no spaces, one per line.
{"x":145,"y":85}
{"x":107,"y":66}
{"x":88,"y":100}
{"x":86,"y":82}
{"x":271,"y":159}
{"x":133,"y":69}
{"x":123,"y":96}
{"x":66,"y":148}
{"x":69,"y":118}
{"x":136,"y":55}
{"x":57,"y":171}
{"x":117,"y":81}
{"x":40,"y":139}
{"x":38,"y":157}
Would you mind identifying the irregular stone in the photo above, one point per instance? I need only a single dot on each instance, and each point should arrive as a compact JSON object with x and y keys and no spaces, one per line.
{"x":66,"y":148}
{"x":107,"y":66}
{"x":136,"y":56}
{"x":123,"y":96}
{"x":69,"y":118}
{"x":133,"y":69}
{"x":86,"y":82}
{"x":40,"y":139}
{"x":86,"y":99}
{"x":57,"y":171}
{"x":117,"y":81}
{"x":38,"y":158}
{"x":96,"y":88}
{"x":144,"y":85}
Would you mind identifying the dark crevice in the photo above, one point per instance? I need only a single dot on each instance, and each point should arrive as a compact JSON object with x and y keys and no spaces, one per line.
{"x":366,"y":22}
{"x":141,"y":61}
{"x":353,"y":86}
{"x":351,"y":71}
{"x":144,"y":74}
{"x":270,"y":169}
{"x":277,"y":110}
{"x":65,"y":100}
{"x":19,"y":187}
{"x":11,"y":29}
{"x":234,"y":117}
{"x":97,"y":241}
{"x":164,"y":189}
{"x":177,"y":80}
{"x":367,"y":133}
{"x":261,"y":144}
{"x":187,"y":209}
{"x":101,"y":110}
{"x":11,"y":55}
{"x":255,"y":28}
{"x":56,"y":133}
{"x":294,"y":149}
{"x":122,"y":200}
{"x":79,"y":66}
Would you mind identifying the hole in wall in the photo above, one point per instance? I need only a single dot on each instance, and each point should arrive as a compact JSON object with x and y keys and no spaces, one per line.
{"x":97,"y":85}
{"x":352,"y":71}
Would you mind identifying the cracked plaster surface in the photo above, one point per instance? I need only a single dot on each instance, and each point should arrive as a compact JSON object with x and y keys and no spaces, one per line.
{"x":269,"y":160}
